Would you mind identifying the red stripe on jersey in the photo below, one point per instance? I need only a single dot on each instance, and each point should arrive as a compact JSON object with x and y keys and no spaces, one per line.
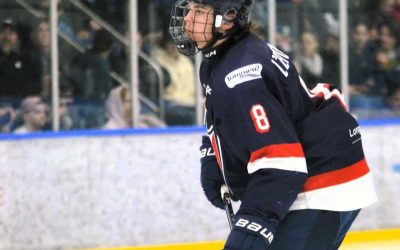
{"x":278,"y":150}
{"x":215,"y":148}
{"x":336,"y":177}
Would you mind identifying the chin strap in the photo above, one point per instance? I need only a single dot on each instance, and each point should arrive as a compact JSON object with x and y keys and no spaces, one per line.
{"x":209,"y":47}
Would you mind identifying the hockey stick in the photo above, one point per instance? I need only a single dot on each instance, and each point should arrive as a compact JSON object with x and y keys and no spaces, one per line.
{"x":226,"y":198}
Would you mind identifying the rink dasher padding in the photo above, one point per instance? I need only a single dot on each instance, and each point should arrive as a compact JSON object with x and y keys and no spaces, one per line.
{"x":80,"y":189}
{"x":214,"y":245}
{"x":351,"y":238}
{"x":392,"y":234}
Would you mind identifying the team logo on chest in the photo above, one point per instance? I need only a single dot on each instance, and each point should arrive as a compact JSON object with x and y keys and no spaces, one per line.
{"x":207,"y":88}
{"x":243,"y":74}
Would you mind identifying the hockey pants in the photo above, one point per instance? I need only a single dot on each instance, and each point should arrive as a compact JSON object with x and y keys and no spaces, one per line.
{"x":313,"y":230}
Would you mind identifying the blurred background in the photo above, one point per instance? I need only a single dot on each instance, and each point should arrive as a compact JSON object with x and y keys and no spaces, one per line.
{"x":93,"y":69}
{"x":90,"y":73}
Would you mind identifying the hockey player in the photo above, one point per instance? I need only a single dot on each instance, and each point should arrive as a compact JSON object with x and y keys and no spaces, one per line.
{"x":292,"y":155}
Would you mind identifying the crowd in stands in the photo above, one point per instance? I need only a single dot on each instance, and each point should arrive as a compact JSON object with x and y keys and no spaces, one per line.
{"x":374,"y":50}
{"x":92,"y":97}
{"x":119,"y":111}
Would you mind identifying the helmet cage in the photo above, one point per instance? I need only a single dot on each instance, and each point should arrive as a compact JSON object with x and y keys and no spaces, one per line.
{"x":177,"y":29}
{"x":238,"y":9}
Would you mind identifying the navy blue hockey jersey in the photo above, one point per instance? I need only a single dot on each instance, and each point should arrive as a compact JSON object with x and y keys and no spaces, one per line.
{"x":280,"y":145}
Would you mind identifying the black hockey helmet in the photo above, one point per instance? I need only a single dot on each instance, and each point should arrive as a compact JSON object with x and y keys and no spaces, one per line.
{"x":240,"y":9}
{"x":222,"y":7}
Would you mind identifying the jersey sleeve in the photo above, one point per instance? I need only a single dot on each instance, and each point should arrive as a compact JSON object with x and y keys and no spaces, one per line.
{"x":276,"y":161}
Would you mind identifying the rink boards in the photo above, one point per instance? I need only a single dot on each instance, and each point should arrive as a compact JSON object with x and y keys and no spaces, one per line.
{"x":93,"y":189}
{"x":388,"y":239}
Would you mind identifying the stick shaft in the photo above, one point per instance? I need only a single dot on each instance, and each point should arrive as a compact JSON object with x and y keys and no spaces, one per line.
{"x":226,"y":198}
{"x":228,"y":210}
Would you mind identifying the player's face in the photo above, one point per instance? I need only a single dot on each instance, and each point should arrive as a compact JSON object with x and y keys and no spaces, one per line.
{"x":199,"y":23}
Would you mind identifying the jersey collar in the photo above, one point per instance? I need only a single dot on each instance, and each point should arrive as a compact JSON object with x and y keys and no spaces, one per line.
{"x":219,"y":50}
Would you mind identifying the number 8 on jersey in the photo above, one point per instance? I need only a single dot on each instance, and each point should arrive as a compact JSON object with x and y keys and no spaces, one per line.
{"x":259,"y":117}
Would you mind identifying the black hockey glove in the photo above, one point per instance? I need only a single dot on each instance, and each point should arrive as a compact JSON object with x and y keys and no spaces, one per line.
{"x":250,"y":233}
{"x":211,"y":176}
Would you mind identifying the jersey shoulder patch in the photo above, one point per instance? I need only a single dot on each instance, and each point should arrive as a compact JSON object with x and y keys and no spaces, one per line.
{"x":243,"y":74}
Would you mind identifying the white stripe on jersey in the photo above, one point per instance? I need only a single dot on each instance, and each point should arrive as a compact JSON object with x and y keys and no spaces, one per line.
{"x":297,"y":164}
{"x":347,"y":196}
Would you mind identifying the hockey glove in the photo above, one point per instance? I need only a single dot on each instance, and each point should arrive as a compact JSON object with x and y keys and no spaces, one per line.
{"x":250,"y":233}
{"x":211,"y":176}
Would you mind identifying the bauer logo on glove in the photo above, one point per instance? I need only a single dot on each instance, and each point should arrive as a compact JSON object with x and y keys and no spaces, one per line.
{"x":256,"y":228}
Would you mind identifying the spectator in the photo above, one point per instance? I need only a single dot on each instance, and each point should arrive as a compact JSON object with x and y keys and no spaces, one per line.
{"x":382,"y":72}
{"x":65,"y":118}
{"x":12,"y":67}
{"x":66,"y":121}
{"x":358,"y":61}
{"x":91,"y":71}
{"x":39,"y":59}
{"x":386,"y":12}
{"x":310,"y":60}
{"x":34,"y":115}
{"x":86,"y":34}
{"x":148,"y":80}
{"x":395,"y":11}
{"x":91,"y":80}
{"x":360,"y":37}
{"x":331,"y":57}
{"x":388,"y":61}
{"x":119,"y":111}
{"x":179,"y":94}
{"x":373,"y":33}
{"x":7,"y":117}
{"x":360,"y":69}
